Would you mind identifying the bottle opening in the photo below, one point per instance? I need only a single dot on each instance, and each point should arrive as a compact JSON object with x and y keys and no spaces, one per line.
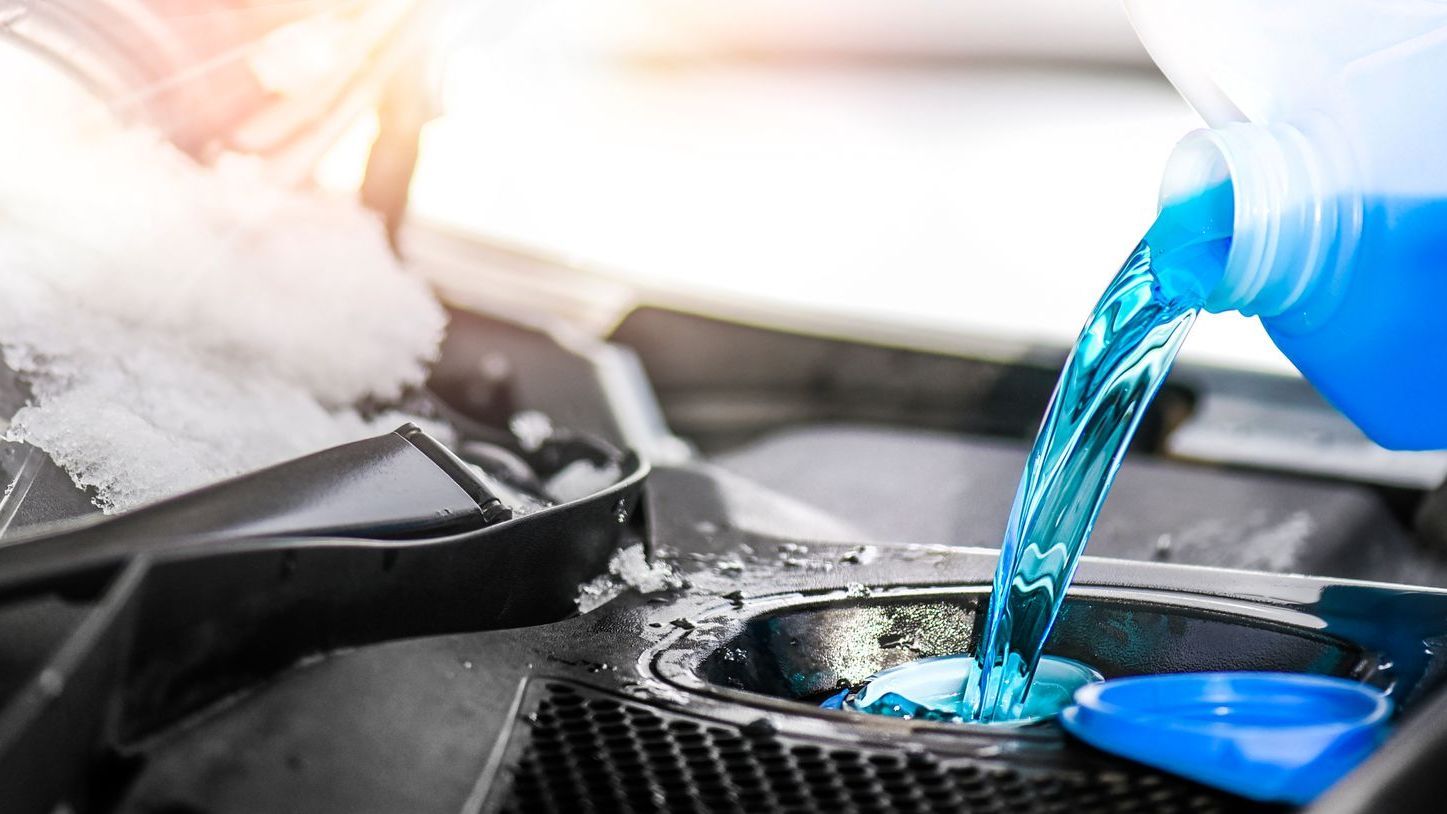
{"x":1191,"y":239}
{"x":1251,"y":219}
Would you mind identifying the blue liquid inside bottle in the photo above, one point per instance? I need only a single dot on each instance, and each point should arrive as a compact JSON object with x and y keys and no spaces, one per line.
{"x":1378,"y":351}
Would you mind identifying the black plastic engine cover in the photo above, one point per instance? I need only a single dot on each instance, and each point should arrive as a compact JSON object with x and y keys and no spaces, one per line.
{"x":704,"y":697}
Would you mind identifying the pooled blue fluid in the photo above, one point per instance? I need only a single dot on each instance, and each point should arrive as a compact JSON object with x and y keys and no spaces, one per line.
{"x":930,"y":689}
{"x":1117,"y":365}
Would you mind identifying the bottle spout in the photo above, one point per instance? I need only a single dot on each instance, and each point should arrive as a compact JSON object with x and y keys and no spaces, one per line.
{"x":1289,"y":217}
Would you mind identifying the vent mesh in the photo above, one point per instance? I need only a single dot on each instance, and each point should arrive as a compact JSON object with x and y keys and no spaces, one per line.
{"x":589,"y":752}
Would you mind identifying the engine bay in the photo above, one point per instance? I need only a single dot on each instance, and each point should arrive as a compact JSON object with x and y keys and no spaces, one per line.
{"x":807,"y":512}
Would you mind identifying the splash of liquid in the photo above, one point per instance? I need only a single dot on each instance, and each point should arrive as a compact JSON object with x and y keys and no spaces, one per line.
{"x":929,"y":690}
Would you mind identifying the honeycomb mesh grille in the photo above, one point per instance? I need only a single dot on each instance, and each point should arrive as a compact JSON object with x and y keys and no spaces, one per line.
{"x":590,"y":752}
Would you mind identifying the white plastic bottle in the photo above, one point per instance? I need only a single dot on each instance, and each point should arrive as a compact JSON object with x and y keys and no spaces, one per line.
{"x":1328,"y":134}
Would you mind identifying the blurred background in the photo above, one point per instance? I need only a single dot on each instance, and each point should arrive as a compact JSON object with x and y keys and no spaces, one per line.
{"x":954,"y":178}
{"x":913,"y":166}
{"x":893,"y":169}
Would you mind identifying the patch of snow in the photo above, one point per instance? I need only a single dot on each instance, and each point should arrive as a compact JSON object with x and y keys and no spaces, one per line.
{"x":178,"y":325}
{"x":629,"y":568}
{"x":580,"y":479}
{"x":532,"y":429}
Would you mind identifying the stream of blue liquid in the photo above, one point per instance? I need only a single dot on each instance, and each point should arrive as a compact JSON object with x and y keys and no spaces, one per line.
{"x":1119,"y":362}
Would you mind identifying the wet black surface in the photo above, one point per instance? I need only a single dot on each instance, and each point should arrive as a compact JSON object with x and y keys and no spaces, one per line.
{"x":929,"y":487}
{"x":369,"y":675}
{"x":446,"y":723}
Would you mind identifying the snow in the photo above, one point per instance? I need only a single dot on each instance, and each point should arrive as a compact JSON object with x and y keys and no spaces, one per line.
{"x":178,"y":325}
{"x":582,"y":478}
{"x":532,"y":429}
{"x":629,"y":568}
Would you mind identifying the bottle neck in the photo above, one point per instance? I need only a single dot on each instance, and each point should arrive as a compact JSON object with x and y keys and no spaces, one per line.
{"x":1295,"y":218}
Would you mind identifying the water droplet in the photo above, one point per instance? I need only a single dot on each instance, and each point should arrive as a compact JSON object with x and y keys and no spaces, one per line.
{"x":51,"y":682}
{"x":760,"y":727}
{"x":1162,"y":550}
{"x":862,"y":555}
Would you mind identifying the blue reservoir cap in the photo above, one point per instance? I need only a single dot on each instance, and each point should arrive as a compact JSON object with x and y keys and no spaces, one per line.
{"x":1268,"y":736}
